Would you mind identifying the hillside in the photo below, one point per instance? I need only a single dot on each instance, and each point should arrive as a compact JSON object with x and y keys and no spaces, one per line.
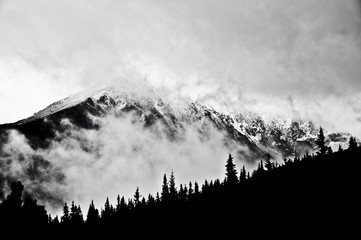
{"x":308,"y":195}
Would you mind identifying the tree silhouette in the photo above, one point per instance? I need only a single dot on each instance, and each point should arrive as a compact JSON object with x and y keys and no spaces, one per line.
{"x":157,"y":198}
{"x":190,"y":190}
{"x":172,"y":188}
{"x":165,"y":189}
{"x":320,"y":142}
{"x":205,"y":188}
{"x":268,"y":164}
{"x":242,"y":175}
{"x":182,"y":193}
{"x":196,"y":189}
{"x":352,"y":144}
{"x":34,"y":214}
{"x":150,"y":200}
{"x":143,"y":203}
{"x":55,"y":221}
{"x":107,"y":211}
{"x":65,"y":219}
{"x":93,"y":214}
{"x":11,"y":207}
{"x":231,"y":172}
{"x":76,"y":215}
{"x":137,"y":197}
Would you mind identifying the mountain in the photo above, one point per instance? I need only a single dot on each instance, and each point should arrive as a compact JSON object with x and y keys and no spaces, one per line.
{"x":260,"y":137}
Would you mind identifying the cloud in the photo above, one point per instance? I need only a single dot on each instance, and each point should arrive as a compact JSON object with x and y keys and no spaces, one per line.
{"x":230,"y":54}
{"x":82,"y":165}
{"x":19,"y":161}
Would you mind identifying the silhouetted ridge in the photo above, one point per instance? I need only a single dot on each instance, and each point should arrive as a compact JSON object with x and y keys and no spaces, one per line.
{"x":298,"y":194}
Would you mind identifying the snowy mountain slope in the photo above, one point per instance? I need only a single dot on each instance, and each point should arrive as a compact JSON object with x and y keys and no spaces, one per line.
{"x":280,"y":138}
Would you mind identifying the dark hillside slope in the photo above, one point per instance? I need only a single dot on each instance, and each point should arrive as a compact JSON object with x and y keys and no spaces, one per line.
{"x":302,"y":197}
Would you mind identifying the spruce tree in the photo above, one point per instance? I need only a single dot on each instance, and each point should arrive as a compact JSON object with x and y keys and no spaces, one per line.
{"x":123,"y":204}
{"x":352,"y":144}
{"x":165,"y":190}
{"x":130,"y":204}
{"x":231,"y":172}
{"x":182,"y":193}
{"x":190,"y":190}
{"x":117,"y":207}
{"x":106,"y":212}
{"x":93,"y":214}
{"x":320,"y":142}
{"x":137,"y":197}
{"x":217,"y":185}
{"x":242,"y":175}
{"x":157,"y":198}
{"x":205,"y":188}
{"x":143,"y":203}
{"x":65,"y":219}
{"x":196,"y":189}
{"x":172,"y":188}
{"x":76,"y":215}
{"x":151,"y":200}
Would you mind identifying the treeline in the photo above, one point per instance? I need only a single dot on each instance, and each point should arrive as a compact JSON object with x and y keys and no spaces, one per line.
{"x":308,"y":190}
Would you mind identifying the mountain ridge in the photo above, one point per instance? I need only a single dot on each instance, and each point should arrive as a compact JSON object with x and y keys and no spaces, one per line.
{"x":275,"y":137}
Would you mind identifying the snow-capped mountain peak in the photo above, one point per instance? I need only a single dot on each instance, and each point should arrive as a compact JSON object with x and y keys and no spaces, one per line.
{"x":281,"y":137}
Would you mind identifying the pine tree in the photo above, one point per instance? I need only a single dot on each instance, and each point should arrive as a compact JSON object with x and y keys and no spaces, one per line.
{"x":217,"y":185}
{"x":76,"y":215}
{"x":123,"y":204}
{"x":157,"y":198}
{"x":117,"y":207}
{"x":151,"y":200}
{"x":172,"y":188}
{"x":130,"y":204}
{"x":268,"y":164}
{"x":352,"y":144}
{"x":137,"y":197}
{"x":196,"y":189}
{"x":65,"y":219}
{"x":242,"y":175}
{"x":211,"y":186}
{"x":205,"y":188}
{"x":143,"y":203}
{"x":190,"y":190}
{"x":93,"y":214}
{"x":231,"y":172}
{"x":182,"y":193}
{"x":320,"y":142}
{"x":165,"y":190}
{"x":106,"y":212}
{"x":55,"y":221}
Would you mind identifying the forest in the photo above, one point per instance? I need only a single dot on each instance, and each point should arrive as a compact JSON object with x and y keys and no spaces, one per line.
{"x":318,"y":191}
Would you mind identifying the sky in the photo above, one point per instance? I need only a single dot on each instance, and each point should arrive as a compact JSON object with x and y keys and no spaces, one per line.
{"x":288,"y":58}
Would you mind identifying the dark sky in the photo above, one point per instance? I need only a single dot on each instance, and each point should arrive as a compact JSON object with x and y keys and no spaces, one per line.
{"x":295,"y":59}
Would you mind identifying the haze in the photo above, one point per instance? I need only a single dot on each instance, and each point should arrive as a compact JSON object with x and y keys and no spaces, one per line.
{"x":294,"y":59}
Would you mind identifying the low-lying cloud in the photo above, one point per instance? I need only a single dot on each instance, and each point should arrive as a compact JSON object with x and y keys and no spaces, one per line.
{"x":82,"y":165}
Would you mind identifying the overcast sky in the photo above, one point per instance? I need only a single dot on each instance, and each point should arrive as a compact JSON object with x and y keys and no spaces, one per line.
{"x":295,"y":58}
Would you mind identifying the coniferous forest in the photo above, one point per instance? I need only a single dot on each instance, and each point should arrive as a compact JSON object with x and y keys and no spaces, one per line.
{"x":315,"y":192}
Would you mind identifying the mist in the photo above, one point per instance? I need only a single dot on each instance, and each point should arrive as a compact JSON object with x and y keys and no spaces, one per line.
{"x":234,"y":55}
{"x":83,"y":165}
